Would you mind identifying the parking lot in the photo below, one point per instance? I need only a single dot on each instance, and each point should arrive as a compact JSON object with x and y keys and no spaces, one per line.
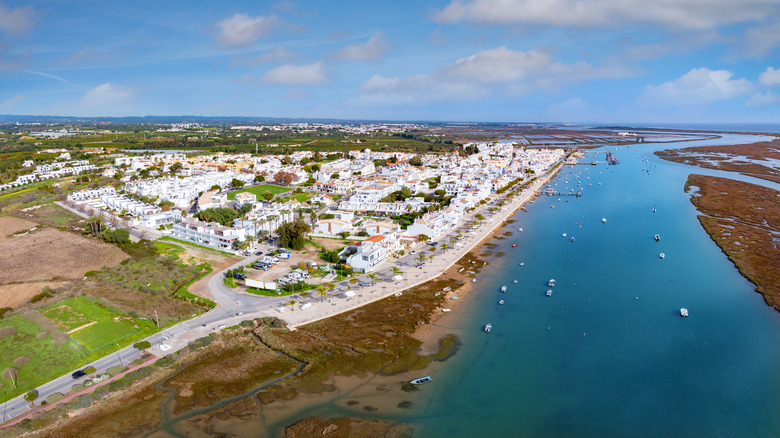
{"x":284,"y":267}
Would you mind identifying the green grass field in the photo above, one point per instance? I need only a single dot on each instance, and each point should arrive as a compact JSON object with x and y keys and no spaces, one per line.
{"x":301,"y":197}
{"x":75,"y":312}
{"x":47,"y":360}
{"x":259,"y":190}
{"x":106,"y":333}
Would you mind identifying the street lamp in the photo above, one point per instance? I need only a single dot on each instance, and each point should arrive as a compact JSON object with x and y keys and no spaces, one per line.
{"x":119,"y":355}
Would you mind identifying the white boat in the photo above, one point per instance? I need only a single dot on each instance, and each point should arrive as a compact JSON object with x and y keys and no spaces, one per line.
{"x":421,"y":380}
{"x":515,"y":282}
{"x":473,"y":280}
{"x":488,"y":327}
{"x":662,"y":255}
{"x":520,"y":230}
{"x":604,"y":220}
{"x":563,"y":235}
{"x":549,"y":292}
{"x":501,"y":302}
{"x":522,"y":263}
{"x":551,"y":283}
{"x":657,"y":237}
{"x":684,"y":312}
{"x":653,"y":209}
{"x":446,"y":310}
{"x":503,"y":288}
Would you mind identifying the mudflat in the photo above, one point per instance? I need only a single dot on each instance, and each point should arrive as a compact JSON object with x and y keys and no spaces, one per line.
{"x":744,"y":220}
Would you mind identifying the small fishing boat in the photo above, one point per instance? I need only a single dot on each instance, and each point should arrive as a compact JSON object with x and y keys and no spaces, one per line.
{"x":563,"y":235}
{"x":503,"y":288}
{"x":522,"y":263}
{"x":551,"y":283}
{"x":684,"y":312}
{"x":604,"y":220}
{"x":421,"y":380}
{"x":515,"y":282}
{"x":446,"y":310}
{"x":501,"y":302}
{"x":473,"y":280}
{"x":520,"y":230}
{"x":572,"y":239}
{"x":549,"y":292}
{"x":653,"y":209}
{"x":662,"y":255}
{"x":488,"y":327}
{"x":514,"y":245}
{"x":657,"y":237}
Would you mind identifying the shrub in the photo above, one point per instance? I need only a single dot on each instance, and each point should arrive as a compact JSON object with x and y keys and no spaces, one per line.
{"x":247,"y":323}
{"x":7,"y":331}
{"x":90,"y":370}
{"x":39,"y":297}
{"x":77,"y":387}
{"x":143,"y":345}
{"x":90,"y":273}
{"x":3,"y":311}
{"x":31,"y":396}
{"x":138,"y":374}
{"x":200,"y":343}
{"x":54,"y":398}
{"x":113,"y":371}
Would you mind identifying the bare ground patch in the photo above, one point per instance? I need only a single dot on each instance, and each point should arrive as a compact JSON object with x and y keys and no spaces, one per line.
{"x":50,"y":254}
{"x":12,"y":295}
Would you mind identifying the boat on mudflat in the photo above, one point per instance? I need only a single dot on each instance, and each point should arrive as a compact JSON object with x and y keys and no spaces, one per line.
{"x":421,"y":380}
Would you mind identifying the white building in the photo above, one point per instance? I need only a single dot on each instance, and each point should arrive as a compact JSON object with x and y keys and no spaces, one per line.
{"x":208,"y":233}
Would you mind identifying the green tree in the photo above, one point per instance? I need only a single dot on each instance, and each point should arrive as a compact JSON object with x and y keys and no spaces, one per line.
{"x":334,"y":176}
{"x":423,"y":238}
{"x":292,"y":235}
{"x":267,"y":195}
{"x":292,"y":303}
{"x":219,"y":215}
{"x":31,"y":396}
{"x":215,"y":187}
{"x":235,"y":182}
{"x":175,"y":168}
{"x":374,"y":277}
{"x":143,"y":345}
{"x":259,"y":178}
{"x":439,"y":192}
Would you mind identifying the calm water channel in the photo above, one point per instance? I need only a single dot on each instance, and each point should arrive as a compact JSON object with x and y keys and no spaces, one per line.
{"x":608,"y":355}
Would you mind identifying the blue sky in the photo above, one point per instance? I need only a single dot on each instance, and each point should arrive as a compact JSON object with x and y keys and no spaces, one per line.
{"x":463,"y":60}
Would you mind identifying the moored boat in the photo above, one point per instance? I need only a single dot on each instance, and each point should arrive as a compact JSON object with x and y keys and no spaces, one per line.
{"x":501,"y":302}
{"x":684,"y":312}
{"x":488,"y":327}
{"x":549,"y":292}
{"x":662,"y":255}
{"x":657,"y":237}
{"x":503,"y":288}
{"x":514,"y":245}
{"x":551,"y":283}
{"x":604,"y":220}
{"x":421,"y":380}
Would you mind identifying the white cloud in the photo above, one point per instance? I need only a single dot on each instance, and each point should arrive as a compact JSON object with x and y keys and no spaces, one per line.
{"x":16,"y":22}
{"x":241,"y":30}
{"x":9,"y":103}
{"x":107,"y":100}
{"x":766,"y":98}
{"x":289,"y":74}
{"x":479,"y":75}
{"x":372,"y":50}
{"x":276,"y":54}
{"x":698,"y":86}
{"x":762,"y":40}
{"x":673,"y":14}
{"x":770,"y":77}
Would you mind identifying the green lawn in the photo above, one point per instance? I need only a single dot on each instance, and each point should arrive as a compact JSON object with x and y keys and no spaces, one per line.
{"x":106,"y":333}
{"x":301,"y":197}
{"x":47,"y":359}
{"x":75,"y":312}
{"x":259,"y":190}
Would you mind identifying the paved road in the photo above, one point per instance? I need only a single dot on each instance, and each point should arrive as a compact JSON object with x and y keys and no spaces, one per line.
{"x":234,"y":306}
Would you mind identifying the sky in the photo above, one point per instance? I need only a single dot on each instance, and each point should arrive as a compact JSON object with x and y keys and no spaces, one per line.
{"x":585,"y":61}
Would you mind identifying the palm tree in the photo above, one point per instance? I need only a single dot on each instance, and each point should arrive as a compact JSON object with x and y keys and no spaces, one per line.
{"x":374,"y":277}
{"x":291,"y":303}
{"x":397,"y":270}
{"x":421,"y":257}
{"x":322,"y":292}
{"x":430,"y":257}
{"x":443,"y":246}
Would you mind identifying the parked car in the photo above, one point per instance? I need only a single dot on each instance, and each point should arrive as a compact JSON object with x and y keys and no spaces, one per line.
{"x":284,"y":255}
{"x":239,"y":276}
{"x":312,"y":263}
{"x":364,"y":283}
{"x":259,"y":253}
{"x":78,"y":374}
